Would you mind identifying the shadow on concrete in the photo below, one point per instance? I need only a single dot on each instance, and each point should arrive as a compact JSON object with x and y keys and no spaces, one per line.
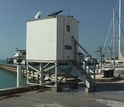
{"x":9,"y":96}
{"x":106,"y":87}
{"x":110,"y":87}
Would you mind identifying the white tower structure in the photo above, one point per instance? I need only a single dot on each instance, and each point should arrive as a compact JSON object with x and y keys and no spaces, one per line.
{"x":51,"y":41}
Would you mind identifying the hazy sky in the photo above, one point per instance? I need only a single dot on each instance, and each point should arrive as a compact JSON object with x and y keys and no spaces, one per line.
{"x":94,"y":16}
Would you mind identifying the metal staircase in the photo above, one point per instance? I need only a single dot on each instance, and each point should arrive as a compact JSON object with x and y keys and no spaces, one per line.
{"x":80,"y":71}
{"x":84,"y":76}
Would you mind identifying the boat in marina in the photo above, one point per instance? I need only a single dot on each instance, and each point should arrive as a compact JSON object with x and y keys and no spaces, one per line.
{"x":10,"y":60}
{"x":115,"y":61}
{"x":23,"y":57}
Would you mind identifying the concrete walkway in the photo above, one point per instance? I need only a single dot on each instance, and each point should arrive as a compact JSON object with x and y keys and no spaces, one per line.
{"x":108,"y":94}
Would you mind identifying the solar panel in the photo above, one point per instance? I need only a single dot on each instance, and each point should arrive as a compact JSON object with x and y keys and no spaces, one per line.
{"x":55,"y":13}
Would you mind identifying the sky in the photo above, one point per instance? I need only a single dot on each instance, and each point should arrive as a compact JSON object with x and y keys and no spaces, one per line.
{"x":94,"y":16}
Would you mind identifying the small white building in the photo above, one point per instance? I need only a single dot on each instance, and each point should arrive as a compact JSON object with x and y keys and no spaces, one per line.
{"x":50,"y":39}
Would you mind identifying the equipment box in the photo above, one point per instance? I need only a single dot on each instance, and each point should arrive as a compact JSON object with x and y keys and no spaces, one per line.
{"x":50,"y":39}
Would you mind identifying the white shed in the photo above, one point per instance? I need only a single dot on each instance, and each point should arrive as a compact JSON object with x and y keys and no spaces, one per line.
{"x":49,"y":39}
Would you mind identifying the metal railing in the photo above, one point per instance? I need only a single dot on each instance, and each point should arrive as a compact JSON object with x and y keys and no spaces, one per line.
{"x":81,"y":46}
{"x":87,"y":55}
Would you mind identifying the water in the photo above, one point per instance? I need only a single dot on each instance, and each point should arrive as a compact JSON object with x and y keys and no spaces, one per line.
{"x":8,"y":79}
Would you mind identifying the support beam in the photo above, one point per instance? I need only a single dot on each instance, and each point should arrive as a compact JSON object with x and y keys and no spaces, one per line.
{"x":41,"y":74}
{"x":56,"y":76}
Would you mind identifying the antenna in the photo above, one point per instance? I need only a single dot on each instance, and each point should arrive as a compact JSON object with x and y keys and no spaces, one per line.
{"x":37,"y":16}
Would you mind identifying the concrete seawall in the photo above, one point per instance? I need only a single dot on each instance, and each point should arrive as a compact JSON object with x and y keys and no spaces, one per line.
{"x":15,"y":90}
{"x":13,"y":69}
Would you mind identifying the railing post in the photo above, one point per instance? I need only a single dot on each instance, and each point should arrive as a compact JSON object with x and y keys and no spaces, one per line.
{"x":81,"y":46}
{"x":18,"y":55}
{"x":18,"y":74}
{"x":94,"y":71}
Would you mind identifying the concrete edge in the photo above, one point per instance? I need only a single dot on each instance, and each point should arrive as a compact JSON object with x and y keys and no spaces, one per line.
{"x":16,"y":90}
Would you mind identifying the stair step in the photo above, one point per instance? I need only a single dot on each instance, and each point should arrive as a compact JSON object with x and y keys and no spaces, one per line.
{"x":90,"y":80}
{"x":81,"y":72}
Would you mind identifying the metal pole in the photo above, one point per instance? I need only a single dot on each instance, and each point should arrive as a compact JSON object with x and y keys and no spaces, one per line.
{"x":87,"y":69}
{"x":75,"y":50}
{"x":56,"y":76}
{"x":18,"y":74}
{"x":114,"y":37}
{"x":94,"y":70}
{"x":110,"y":56}
{"x":27,"y":72}
{"x":119,"y":41}
{"x":41,"y":77}
{"x":81,"y":47}
{"x":18,"y":56}
{"x":83,"y":64}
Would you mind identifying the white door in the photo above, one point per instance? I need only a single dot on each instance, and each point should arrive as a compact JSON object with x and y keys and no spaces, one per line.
{"x":69,"y":47}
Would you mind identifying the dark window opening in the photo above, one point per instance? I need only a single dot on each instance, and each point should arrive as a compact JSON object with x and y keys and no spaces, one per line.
{"x":68,"y":28}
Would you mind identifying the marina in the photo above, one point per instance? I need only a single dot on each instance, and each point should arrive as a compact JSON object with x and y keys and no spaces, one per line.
{"x":31,"y":96}
{"x":56,"y":70}
{"x":64,"y":50}
{"x":99,"y":77}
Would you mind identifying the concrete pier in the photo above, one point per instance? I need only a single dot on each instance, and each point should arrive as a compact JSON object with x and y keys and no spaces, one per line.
{"x":17,"y":90}
{"x":9,"y":68}
{"x":107,"y":95}
{"x":12,"y":69}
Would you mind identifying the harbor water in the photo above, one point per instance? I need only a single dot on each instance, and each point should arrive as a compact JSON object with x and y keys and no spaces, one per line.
{"x":8,"y":79}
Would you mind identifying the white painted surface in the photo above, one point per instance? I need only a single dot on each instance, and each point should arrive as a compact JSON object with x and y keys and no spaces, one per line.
{"x":49,"y":40}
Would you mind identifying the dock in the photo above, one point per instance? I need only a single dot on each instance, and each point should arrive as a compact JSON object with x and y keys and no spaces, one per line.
{"x":13,"y":69}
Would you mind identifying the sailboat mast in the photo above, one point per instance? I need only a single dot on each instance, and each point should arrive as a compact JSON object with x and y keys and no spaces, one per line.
{"x":120,"y":33}
{"x":114,"y":35}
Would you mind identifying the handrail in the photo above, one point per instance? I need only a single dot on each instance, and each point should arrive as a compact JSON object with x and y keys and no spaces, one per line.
{"x":81,"y":46}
